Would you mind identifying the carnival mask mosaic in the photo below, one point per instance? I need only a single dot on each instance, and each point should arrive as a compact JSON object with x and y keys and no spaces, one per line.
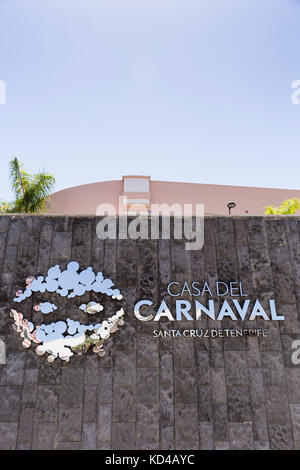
{"x":65,"y":337}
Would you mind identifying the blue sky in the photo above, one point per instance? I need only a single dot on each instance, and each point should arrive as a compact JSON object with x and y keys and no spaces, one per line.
{"x":182,"y":90}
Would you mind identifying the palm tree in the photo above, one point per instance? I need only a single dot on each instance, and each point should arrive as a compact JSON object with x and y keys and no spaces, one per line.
{"x":31,"y":191}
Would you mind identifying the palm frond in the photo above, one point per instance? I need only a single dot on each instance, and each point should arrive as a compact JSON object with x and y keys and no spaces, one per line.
{"x":35,"y":197}
{"x":31,"y":191}
{"x":20,"y":180}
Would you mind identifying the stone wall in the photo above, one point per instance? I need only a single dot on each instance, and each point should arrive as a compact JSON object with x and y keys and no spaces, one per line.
{"x":147,"y":393}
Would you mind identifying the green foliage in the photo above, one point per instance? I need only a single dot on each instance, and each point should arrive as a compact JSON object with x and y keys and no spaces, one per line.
{"x":31,"y":191}
{"x":19,"y":179}
{"x":288,"y":207}
{"x":6,"y":207}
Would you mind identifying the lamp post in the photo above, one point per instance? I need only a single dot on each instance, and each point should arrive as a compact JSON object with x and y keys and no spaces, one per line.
{"x":230,"y":206}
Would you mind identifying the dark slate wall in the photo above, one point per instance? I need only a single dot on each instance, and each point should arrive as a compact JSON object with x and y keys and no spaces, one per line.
{"x":150,"y":393}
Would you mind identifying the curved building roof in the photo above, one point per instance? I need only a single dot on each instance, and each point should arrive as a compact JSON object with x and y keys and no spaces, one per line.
{"x":135,"y":193}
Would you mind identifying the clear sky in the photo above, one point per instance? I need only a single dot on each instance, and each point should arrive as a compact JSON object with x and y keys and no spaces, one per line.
{"x":182,"y":90}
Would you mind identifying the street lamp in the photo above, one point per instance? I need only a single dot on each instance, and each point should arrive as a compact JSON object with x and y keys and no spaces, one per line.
{"x":230,"y":206}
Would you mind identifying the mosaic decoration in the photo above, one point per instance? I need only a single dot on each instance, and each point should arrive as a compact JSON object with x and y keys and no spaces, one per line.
{"x":25,"y":328}
{"x":91,"y":307}
{"x":45,"y":307}
{"x":63,"y":338}
{"x":62,"y":282}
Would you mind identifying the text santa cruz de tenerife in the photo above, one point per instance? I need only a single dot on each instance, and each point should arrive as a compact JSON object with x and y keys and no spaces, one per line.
{"x":214,"y":308}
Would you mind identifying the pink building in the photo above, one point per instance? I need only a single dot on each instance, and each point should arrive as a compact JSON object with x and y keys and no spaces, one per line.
{"x":134,"y":194}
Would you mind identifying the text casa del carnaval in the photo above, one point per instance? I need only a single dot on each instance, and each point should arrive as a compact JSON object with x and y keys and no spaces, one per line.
{"x":215,"y":308}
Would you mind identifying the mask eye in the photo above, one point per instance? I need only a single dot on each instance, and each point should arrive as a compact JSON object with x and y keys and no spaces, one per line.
{"x":91,"y":308}
{"x":45,"y":307}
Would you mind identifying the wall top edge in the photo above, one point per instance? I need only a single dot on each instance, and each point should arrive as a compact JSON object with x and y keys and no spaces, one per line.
{"x":92,"y":216}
